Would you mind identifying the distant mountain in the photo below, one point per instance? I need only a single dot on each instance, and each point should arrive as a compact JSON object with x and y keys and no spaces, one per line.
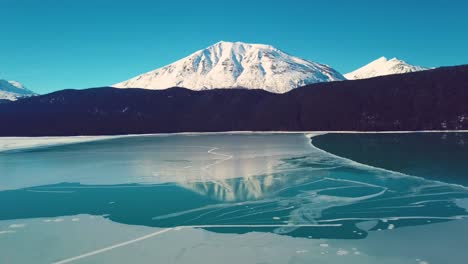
{"x":13,"y":90}
{"x":427,"y":100}
{"x":236,"y":65}
{"x":381,"y":67}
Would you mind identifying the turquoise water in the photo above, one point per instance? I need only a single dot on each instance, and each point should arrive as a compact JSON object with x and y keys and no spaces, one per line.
{"x":239,"y":184}
{"x":437,"y":156}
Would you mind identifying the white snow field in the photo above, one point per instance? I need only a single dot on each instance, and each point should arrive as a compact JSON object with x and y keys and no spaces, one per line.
{"x":236,"y":65}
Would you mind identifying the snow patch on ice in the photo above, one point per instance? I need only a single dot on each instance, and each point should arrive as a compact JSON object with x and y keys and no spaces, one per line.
{"x":17,"y":225}
{"x":7,"y":232}
{"x":342,"y":252}
{"x":14,"y":143}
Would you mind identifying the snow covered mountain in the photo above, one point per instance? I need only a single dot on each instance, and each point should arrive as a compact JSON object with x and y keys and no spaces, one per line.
{"x":383,"y":66}
{"x":12,"y":90}
{"x":236,"y":65}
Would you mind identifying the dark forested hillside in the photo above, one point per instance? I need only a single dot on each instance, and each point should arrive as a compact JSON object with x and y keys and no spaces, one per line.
{"x":427,"y":100}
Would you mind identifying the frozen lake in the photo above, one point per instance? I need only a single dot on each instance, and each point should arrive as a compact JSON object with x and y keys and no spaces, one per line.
{"x":236,"y":198}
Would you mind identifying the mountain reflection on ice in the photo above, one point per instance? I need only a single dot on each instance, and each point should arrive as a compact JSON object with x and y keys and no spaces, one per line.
{"x":313,"y":194}
{"x":323,"y":189}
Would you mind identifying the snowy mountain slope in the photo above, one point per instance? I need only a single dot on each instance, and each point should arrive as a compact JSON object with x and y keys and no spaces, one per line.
{"x":383,"y":66}
{"x":12,"y":90}
{"x":233,"y":65}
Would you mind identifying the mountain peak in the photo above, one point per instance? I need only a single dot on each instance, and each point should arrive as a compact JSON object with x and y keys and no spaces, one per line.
{"x":12,"y":90}
{"x":236,"y":65}
{"x":381,"y":59}
{"x":241,"y":44}
{"x":18,"y":85}
{"x":383,"y":66}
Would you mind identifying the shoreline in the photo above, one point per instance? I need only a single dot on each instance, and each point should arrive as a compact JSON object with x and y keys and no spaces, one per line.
{"x":255,"y":132}
{"x":21,"y":143}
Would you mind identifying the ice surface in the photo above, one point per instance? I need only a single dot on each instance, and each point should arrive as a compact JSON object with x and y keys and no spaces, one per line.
{"x":15,"y":143}
{"x":98,"y":240}
{"x":245,"y":198}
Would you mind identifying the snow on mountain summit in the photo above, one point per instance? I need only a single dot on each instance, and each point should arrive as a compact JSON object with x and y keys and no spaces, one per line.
{"x":236,"y":65}
{"x":12,"y":90}
{"x":383,"y":66}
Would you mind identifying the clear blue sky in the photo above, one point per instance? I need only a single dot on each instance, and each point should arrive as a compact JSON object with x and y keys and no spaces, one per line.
{"x":56,"y":44}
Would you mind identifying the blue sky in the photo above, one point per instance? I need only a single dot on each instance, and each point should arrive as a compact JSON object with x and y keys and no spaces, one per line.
{"x":56,"y":44}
